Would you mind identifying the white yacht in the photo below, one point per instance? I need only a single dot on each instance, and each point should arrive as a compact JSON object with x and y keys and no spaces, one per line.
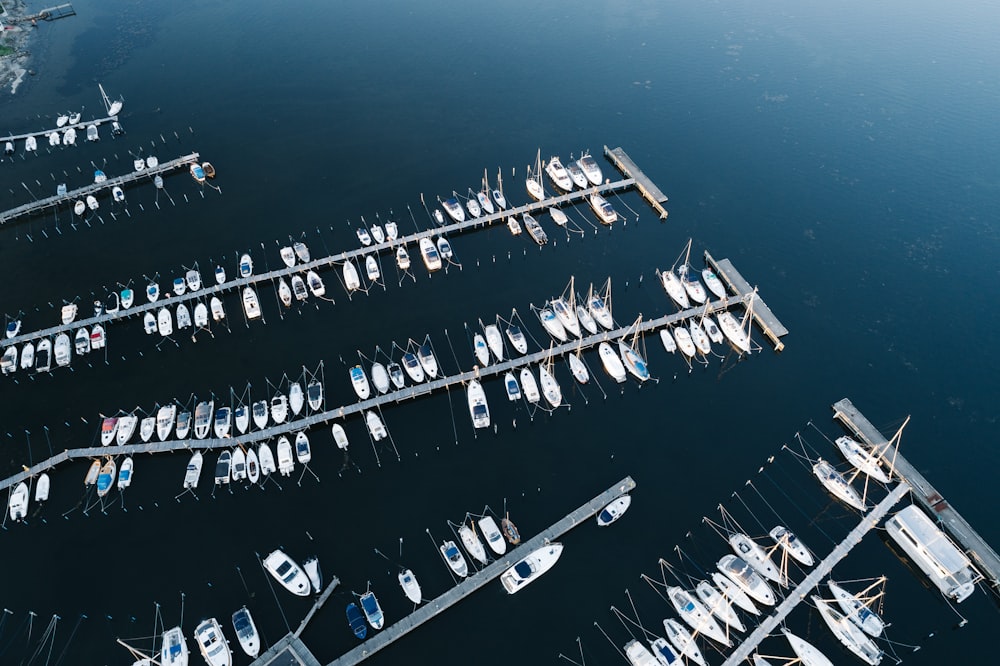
{"x":62,"y":350}
{"x":17,"y":505}
{"x":698,"y":336}
{"x":713,"y":283}
{"x":375,"y":426}
{"x":863,"y":460}
{"x":246,"y":632}
{"x":604,"y":211}
{"x":287,"y":255}
{"x":378,"y":234}
{"x":183,"y":317}
{"x":218,"y":312}
{"x":751,"y":552}
{"x":586,"y":320}
{"x":296,"y":398}
{"x":517,"y":339}
{"x":193,"y":279}
{"x":303,"y":452}
{"x":360,"y":382}
{"x":734,"y":331}
{"x":590,"y":168}
{"x":174,"y":651}
{"x":471,"y":204}
{"x":696,"y":616}
{"x":534,"y":229}
{"x":146,"y":428}
{"x":718,"y":605}
{"x":429,"y":253}
{"x":286,"y":464}
{"x":212,"y":644}
{"x":297,"y":289}
{"x":578,"y":368}
{"x":411,"y":588}
{"x":392,"y":229}
{"x":203,"y":418}
{"x":315,"y":282}
{"x":806,"y":652}
{"x":364,"y":236}
{"x":223,"y":422}
{"x":183,"y":424}
{"x":371,"y":268}
{"x":267,"y":464}
{"x":380,"y":377}
{"x":614,"y":510}
{"x":791,"y":544}
{"x":529,"y":386}
{"x":481,"y":349}
{"x":301,"y":251}
{"x":494,"y":341}
{"x":473,"y":545}
{"x":285,"y":570}
{"x":848,"y":633}
{"x":838,"y":486}
{"x":612,"y":364}
{"x":126,"y":428}
{"x":681,"y":638}
{"x":413,"y":368}
{"x":669,"y":344}
{"x":566,"y":315}
{"x":165,"y":421}
{"x":402,"y":258}
{"x":109,"y":429}
{"x":733,"y":593}
{"x":557,"y":172}
{"x":494,"y":539}
{"x":639,"y":655}
{"x":531,"y":567}
{"x":426,"y":357}
{"x":674,"y":288}
{"x":453,"y":556}
{"x":245,"y":266}
{"x":746,"y":578}
{"x":253,"y":466}
{"x":251,"y":306}
{"x":714,"y":332}
{"x":857,"y":611}
{"x":552,"y":324}
{"x":931,"y":550}
{"x":454,"y":209}
{"x":558,"y":216}
{"x":577,"y":175}
{"x":238,"y":469}
{"x":396,"y":375}
{"x":692,"y":286}
{"x":200,"y":315}
{"x":513,"y":388}
{"x":258,"y":412}
{"x":479,"y":409}
{"x":550,"y":387}
{"x":279,"y":408}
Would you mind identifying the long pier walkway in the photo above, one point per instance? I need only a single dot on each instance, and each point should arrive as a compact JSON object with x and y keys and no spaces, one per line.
{"x":79,"y":127}
{"x":407,"y":393}
{"x":874,"y":517}
{"x":940,"y":510}
{"x":762,"y":315}
{"x":41,"y":204}
{"x":478,"y":580}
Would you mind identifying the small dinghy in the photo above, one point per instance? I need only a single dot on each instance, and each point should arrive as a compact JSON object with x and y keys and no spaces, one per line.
{"x":613,"y":511}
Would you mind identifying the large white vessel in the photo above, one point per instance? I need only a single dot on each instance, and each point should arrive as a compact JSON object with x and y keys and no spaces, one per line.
{"x":681,"y":638}
{"x":639,"y":655}
{"x":212,"y":644}
{"x":288,"y":573}
{"x":675,"y":290}
{"x":531,"y":567}
{"x":557,"y":172}
{"x":947,"y":567}
{"x":590,"y":168}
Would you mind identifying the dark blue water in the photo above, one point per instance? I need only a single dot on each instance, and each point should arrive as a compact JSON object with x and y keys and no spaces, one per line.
{"x":843,"y":157}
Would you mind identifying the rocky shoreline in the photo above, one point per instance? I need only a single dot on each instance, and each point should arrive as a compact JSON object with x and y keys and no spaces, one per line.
{"x":14,"y":40}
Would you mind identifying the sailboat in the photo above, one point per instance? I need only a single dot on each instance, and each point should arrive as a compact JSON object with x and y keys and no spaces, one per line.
{"x":718,"y":605}
{"x":552,"y":324}
{"x":550,"y":387}
{"x":631,"y":358}
{"x":577,"y":367}
{"x":674,"y":288}
{"x":734,"y":331}
{"x":112,"y":108}
{"x":478,"y":407}
{"x":838,"y":486}
{"x":510,"y":530}
{"x":482,"y":196}
{"x":682,"y":639}
{"x":564,"y":308}
{"x":696,"y":616}
{"x":713,"y":283}
{"x":612,"y":364}
{"x":494,"y":341}
{"x":497,"y":193}
{"x":600,"y":305}
{"x":863,"y":460}
{"x":534,"y":180}
{"x":513,"y":388}
{"x":481,"y":349}
{"x":849,"y":634}
{"x":757,"y":557}
{"x":684,"y":342}
{"x":699,"y":337}
{"x":857,"y":610}
{"x":791,"y":545}
{"x":733,"y":593}
{"x":806,"y":652}
{"x":737,"y":570}
{"x":473,"y":545}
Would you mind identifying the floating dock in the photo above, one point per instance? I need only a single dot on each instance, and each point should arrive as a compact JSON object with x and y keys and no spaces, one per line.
{"x":647,"y":188}
{"x":762,"y":315}
{"x":80,"y":127}
{"x":943,"y":513}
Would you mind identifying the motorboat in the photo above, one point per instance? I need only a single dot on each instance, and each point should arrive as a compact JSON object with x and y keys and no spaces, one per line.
{"x":125,"y":473}
{"x":429,"y":253}
{"x":165,"y":421}
{"x":718,"y":605}
{"x":311,"y":567}
{"x":9,"y":360}
{"x":396,"y":375}
{"x":315,"y":283}
{"x":494,"y":341}
{"x":251,"y":306}
{"x":849,"y":634}
{"x":529,"y":386}
{"x":92,"y":472}
{"x":193,"y":279}
{"x":444,"y":248}
{"x":152,"y":162}
{"x":339,"y":436}
{"x":193,"y":471}
{"x":857,"y":611}
{"x":287,"y":255}
{"x":402,"y":258}
{"x":481,"y":349}
{"x":106,"y":477}
{"x":426,"y":357}
{"x":364,"y":236}
{"x":566,"y":315}
{"x":633,"y":362}
{"x":611,"y":362}
{"x":197,"y":172}
{"x":639,"y":655}
{"x":203,"y":418}
{"x":751,"y":552}
{"x":28,"y":356}
{"x":684,"y":342}
{"x":453,"y":556}
{"x":681,"y":638}
{"x":220,"y":274}
{"x":303,"y":452}
{"x":614,"y":510}
{"x":126,"y":428}
{"x":534,"y":229}
{"x":696,"y":616}
{"x":17,"y":504}
{"x":8,"y":148}
{"x":81,"y":343}
{"x":473,"y":545}
{"x":139,"y":164}
{"x":98,"y":338}
{"x":669,"y":344}
{"x":213,"y":645}
{"x":485,"y":202}
{"x":298,"y":289}
{"x":509,"y":530}
{"x":413,"y":368}
{"x":600,"y":311}
{"x":223,"y":422}
{"x":223,"y":468}
{"x":590,"y":168}
{"x":302,"y":252}
{"x":356,"y":621}
{"x":734,"y":332}
{"x":218,"y":312}
{"x":557,"y":173}
{"x":152,"y":292}
{"x":733,"y":593}
{"x":531,"y":568}
{"x":352,"y":280}
{"x":246,"y":632}
{"x":69,"y":137}
{"x":576,"y":175}
{"x":479,"y":409}
{"x":183,"y":317}
{"x":279,"y":408}
{"x":245,"y":266}
{"x":117,"y":194}
{"x":471,"y":204}
{"x":550,"y":387}
{"x":253,"y":466}
{"x":284,"y":570}
{"x":692,"y":286}
{"x":578,"y":368}
{"x":258,"y":412}
{"x":605,"y":211}
{"x":411,"y":588}
{"x":674,"y":288}
{"x":55,"y":138}
{"x":513,"y":388}
{"x":174,"y":650}
{"x":494,"y":538}
{"x":863,"y":460}
{"x":164,"y":322}
{"x":200,"y":315}
{"x":378,"y":234}
{"x":62,"y":350}
{"x":69,"y":311}
{"x":552,"y":325}
{"x":699,"y":337}
{"x":183,"y":424}
{"x":558,"y":216}
{"x":746,"y":578}
{"x":286,"y":464}
{"x":314,"y":395}
{"x":30,"y":144}
{"x":438,"y":216}
{"x":517,"y":339}
{"x":838,"y":486}
{"x":146,"y":428}
{"x":514,"y":226}
{"x":79,"y":207}
{"x":13,"y":328}
{"x":371,"y":268}
{"x":791,"y":544}
{"x":92,"y":133}
{"x":267,"y":464}
{"x":360,"y":382}
{"x":711,"y":329}
{"x":296,"y":398}
{"x":933,"y":552}
{"x":807,"y":653}
{"x":180,"y":286}
{"x":454,"y":209}
{"x":43,"y":355}
{"x":109,"y":430}
{"x":713,"y":283}
{"x":375,"y":426}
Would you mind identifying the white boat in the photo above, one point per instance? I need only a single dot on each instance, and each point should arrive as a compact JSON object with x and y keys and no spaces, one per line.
{"x":139,"y":164}
{"x":696,"y":616}
{"x":611,"y":362}
{"x":692,"y":286}
{"x":371,"y":268}
{"x":183,"y":317}
{"x":360,"y":382}
{"x":212,"y":644}
{"x":494,"y":341}
{"x":126,"y":428}
{"x":251,"y":306}
{"x":315,"y":282}
{"x":604,"y":210}
{"x":109,"y":430}
{"x":223,"y":468}
{"x":848,"y":633}
{"x":586,"y":320}
{"x":193,"y":279}
{"x":193,"y":471}
{"x":203,"y":418}
{"x":600,"y":310}
{"x":258,"y":412}
{"x":444,"y":248}
{"x":97,"y":337}
{"x":514,"y":225}
{"x":438,"y":216}
{"x":402,"y":258}
{"x":577,"y":175}
{"x":857,"y":611}
{"x":245,"y":266}
{"x":125,"y":473}
{"x":699,"y":337}
{"x":633,"y":362}
{"x":471,"y":204}
{"x":285,"y":570}
{"x":311,"y":567}
{"x":279,"y":408}
{"x":218,"y":312}
{"x":17,"y":505}
{"x":339,"y":436}
{"x":682,"y":639}
{"x":43,"y":355}
{"x":69,"y":137}
{"x":363,"y":236}
{"x":751,"y":552}
{"x":92,"y":133}
{"x":590,"y":168}
{"x":106,"y":477}
{"x":734,"y":332}
{"x":180,"y":286}
{"x":152,"y":292}
{"x":62,"y":350}
{"x":806,"y":652}
{"x":838,"y":486}
{"x":500,"y":199}
{"x":558,"y":175}
{"x":146,"y":428}
{"x":378,"y":234}
{"x":351,"y":278}
{"x":863,"y":460}
{"x":55,"y":138}
{"x":28,"y":356}
{"x":298,"y":289}
{"x":13,"y":328}
{"x":174,"y":650}
{"x":427,"y":361}
{"x":296,"y":398}
{"x":246,"y":632}
{"x":484,"y":202}
{"x":479,"y":409}
{"x":711,"y":329}
{"x":746,"y":578}
{"x":534,"y":180}
{"x":550,"y":387}
{"x":68,"y":313}
{"x":303,"y":452}
{"x":481,"y":349}
{"x":223,"y":422}
{"x":183,"y":425}
{"x":674,"y":288}
{"x":578,"y":368}
{"x":453,"y":556}
{"x":529,"y":386}
{"x":117,"y":194}
{"x":684,"y":341}
{"x":375,"y":426}
{"x":413,"y":368}
{"x":286,"y":464}
{"x":472,"y":543}
{"x":733,"y":593}
{"x":287,"y":255}
{"x":220,"y":274}
{"x":429,"y":253}
{"x":639,"y":655}
{"x":791,"y":544}
{"x":534,"y":229}
{"x":718,"y":605}
{"x":713,"y":283}
{"x":267,"y":464}
{"x":669,"y":344}
{"x":931,"y":550}
{"x":92,"y":473}
{"x":9,"y":360}
{"x":614,"y":510}
{"x":200,"y":315}
{"x":517,"y":339}
{"x":566,"y":312}
{"x":494,"y":539}
{"x":301,"y":251}
{"x":531,"y":568}
{"x":411,"y":588}
{"x":165,"y":421}
{"x":253,"y":466}
{"x":454,"y":209}
{"x":513,"y":389}
{"x":552,"y":325}
{"x":152,"y":162}
{"x":396,"y":375}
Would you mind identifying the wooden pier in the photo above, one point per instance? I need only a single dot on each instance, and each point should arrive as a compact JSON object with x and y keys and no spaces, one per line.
{"x":474,"y":582}
{"x":765,"y":319}
{"x":407,"y":393}
{"x":647,"y":188}
{"x":744,"y":650}
{"x":941,"y":511}
{"x":69,"y":197}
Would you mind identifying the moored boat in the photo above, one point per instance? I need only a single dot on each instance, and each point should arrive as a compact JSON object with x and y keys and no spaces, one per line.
{"x":223,"y":468}
{"x":303,"y":452}
{"x":517,"y":339}
{"x":494,"y":538}
{"x":453,"y":556}
{"x":531,"y":567}
{"x":552,"y":325}
{"x":674,"y":288}
{"x":590,"y":168}
{"x":285,"y":570}
{"x":352,"y":280}
{"x":578,"y":368}
{"x":633,"y":362}
{"x":375,"y":426}
{"x":718,"y":605}
{"x":429,"y":254}
{"x":286,"y":463}
{"x":614,"y":510}
{"x":696,"y":616}
{"x":734,"y":331}
{"x":849,"y":634}
{"x":106,"y":477}
{"x":682,"y":639}
{"x":246,"y":632}
{"x":427,"y":361}
{"x":713,"y":283}
{"x":513,"y":388}
{"x":359,"y":381}
{"x":550,"y":387}
{"x":529,"y":386}
{"x":807,"y":653}
{"x":751,"y":552}
{"x":193,"y":471}
{"x":251,"y":306}
{"x":473,"y":545}
{"x":611,"y":362}
{"x":287,"y":255}
{"x":534,"y":229}
{"x":17,"y":503}
{"x":857,"y":611}
{"x":604,"y":210}
{"x":478,"y":407}
{"x":863,"y":460}
{"x":356,"y":621}
{"x":238,"y":468}
{"x":791,"y":544}
{"x":372,"y":610}
{"x":411,"y":588}
{"x":557,"y":173}
{"x":174,"y":649}
{"x":339,"y":436}
{"x":125,"y":473}
{"x":203,"y":418}
{"x":296,"y":398}
{"x":454,"y":209}
{"x":165,"y":421}
{"x":838,"y":486}
{"x":744,"y":576}
{"x":212,"y":643}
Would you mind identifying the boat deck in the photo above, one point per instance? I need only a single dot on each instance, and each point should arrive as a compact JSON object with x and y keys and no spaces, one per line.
{"x":647,"y":188}
{"x":41,"y":204}
{"x":941,"y":511}
{"x":475,"y":581}
{"x":762,"y":314}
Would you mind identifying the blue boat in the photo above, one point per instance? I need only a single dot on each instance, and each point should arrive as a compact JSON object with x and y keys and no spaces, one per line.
{"x":100,"y":177}
{"x":369,"y":604}
{"x":198,"y":173}
{"x":356,"y":620}
{"x":106,"y":477}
